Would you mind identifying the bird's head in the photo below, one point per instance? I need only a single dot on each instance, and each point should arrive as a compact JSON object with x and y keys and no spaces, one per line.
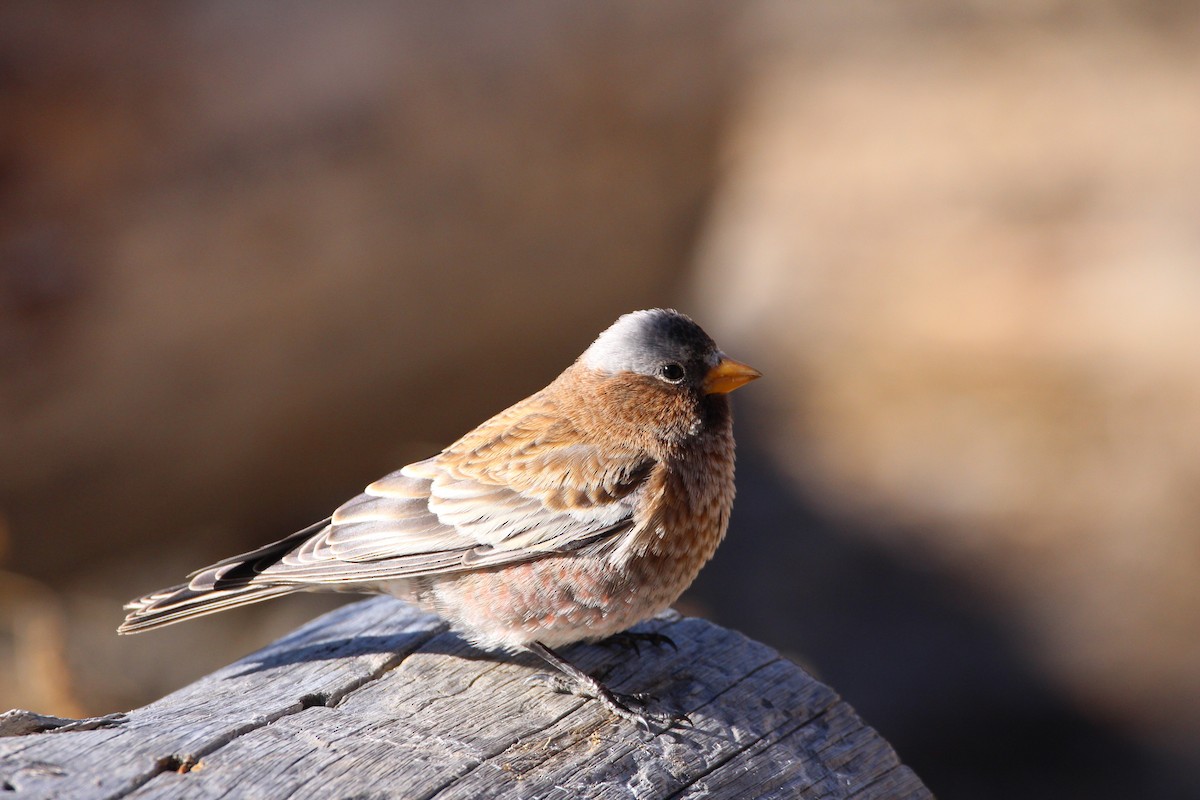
{"x":658,"y":366}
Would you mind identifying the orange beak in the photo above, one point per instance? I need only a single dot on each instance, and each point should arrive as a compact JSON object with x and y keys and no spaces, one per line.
{"x":728,"y":375}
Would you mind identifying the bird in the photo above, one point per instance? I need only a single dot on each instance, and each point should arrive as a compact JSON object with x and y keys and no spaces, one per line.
{"x":576,"y":513}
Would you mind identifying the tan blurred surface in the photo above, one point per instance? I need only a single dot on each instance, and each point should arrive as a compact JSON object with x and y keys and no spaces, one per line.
{"x":252,"y":258}
{"x":969,"y":256}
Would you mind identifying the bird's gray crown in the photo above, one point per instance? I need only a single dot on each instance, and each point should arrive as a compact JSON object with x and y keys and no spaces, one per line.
{"x":642,"y":341}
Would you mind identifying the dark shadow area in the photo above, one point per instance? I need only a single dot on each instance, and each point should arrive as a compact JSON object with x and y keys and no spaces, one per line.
{"x":617,"y":657}
{"x":918,"y":654}
{"x":653,"y":670}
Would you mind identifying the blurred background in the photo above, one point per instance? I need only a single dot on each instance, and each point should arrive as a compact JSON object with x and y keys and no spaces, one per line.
{"x":254,"y":255}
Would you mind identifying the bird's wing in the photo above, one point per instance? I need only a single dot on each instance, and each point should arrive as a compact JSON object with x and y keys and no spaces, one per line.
{"x":523,"y":484}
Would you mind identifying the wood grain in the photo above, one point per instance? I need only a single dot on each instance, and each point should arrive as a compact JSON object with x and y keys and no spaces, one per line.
{"x":376,"y":700}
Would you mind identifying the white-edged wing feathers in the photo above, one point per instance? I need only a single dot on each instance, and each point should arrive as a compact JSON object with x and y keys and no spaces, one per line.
{"x":504,"y":493}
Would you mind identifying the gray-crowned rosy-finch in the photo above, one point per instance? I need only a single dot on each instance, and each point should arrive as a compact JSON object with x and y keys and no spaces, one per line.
{"x":576,"y":513}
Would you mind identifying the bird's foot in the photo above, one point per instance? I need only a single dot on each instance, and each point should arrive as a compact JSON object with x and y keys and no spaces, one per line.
{"x":630,"y":707}
{"x":632,"y":640}
{"x":572,"y":680}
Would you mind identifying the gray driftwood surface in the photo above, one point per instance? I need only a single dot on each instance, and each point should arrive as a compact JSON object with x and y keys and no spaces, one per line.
{"x":377,"y":700}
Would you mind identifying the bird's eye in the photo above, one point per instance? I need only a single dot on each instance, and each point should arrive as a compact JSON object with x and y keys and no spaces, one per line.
{"x":671,"y":373}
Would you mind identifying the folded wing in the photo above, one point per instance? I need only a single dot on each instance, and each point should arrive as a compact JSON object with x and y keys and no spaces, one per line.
{"x":520,"y":486}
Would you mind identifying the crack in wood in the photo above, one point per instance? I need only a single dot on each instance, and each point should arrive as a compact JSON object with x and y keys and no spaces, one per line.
{"x":794,"y":724}
{"x":170,"y":763}
{"x":896,"y":773}
{"x":341,"y":708}
{"x":624,"y":747}
{"x":496,"y":753}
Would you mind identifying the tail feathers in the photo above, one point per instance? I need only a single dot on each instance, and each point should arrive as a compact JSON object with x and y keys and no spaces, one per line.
{"x":168,"y":606}
{"x":245,"y":566}
{"x":227,"y":584}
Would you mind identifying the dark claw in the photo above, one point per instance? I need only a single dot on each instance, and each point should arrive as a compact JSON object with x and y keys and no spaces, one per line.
{"x":622,"y":705}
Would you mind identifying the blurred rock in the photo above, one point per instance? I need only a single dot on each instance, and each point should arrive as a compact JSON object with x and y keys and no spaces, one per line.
{"x":254,"y":255}
{"x":33,"y":646}
{"x":963,"y":250}
{"x":308,"y":239}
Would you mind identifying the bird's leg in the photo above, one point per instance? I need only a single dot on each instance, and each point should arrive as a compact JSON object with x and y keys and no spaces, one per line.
{"x":575,"y":681}
{"x":633,"y":640}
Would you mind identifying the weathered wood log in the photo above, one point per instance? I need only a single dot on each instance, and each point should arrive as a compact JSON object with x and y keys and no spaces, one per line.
{"x":376,"y":700}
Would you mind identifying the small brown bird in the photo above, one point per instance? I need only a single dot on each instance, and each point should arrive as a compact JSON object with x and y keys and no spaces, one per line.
{"x":573,"y":515}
